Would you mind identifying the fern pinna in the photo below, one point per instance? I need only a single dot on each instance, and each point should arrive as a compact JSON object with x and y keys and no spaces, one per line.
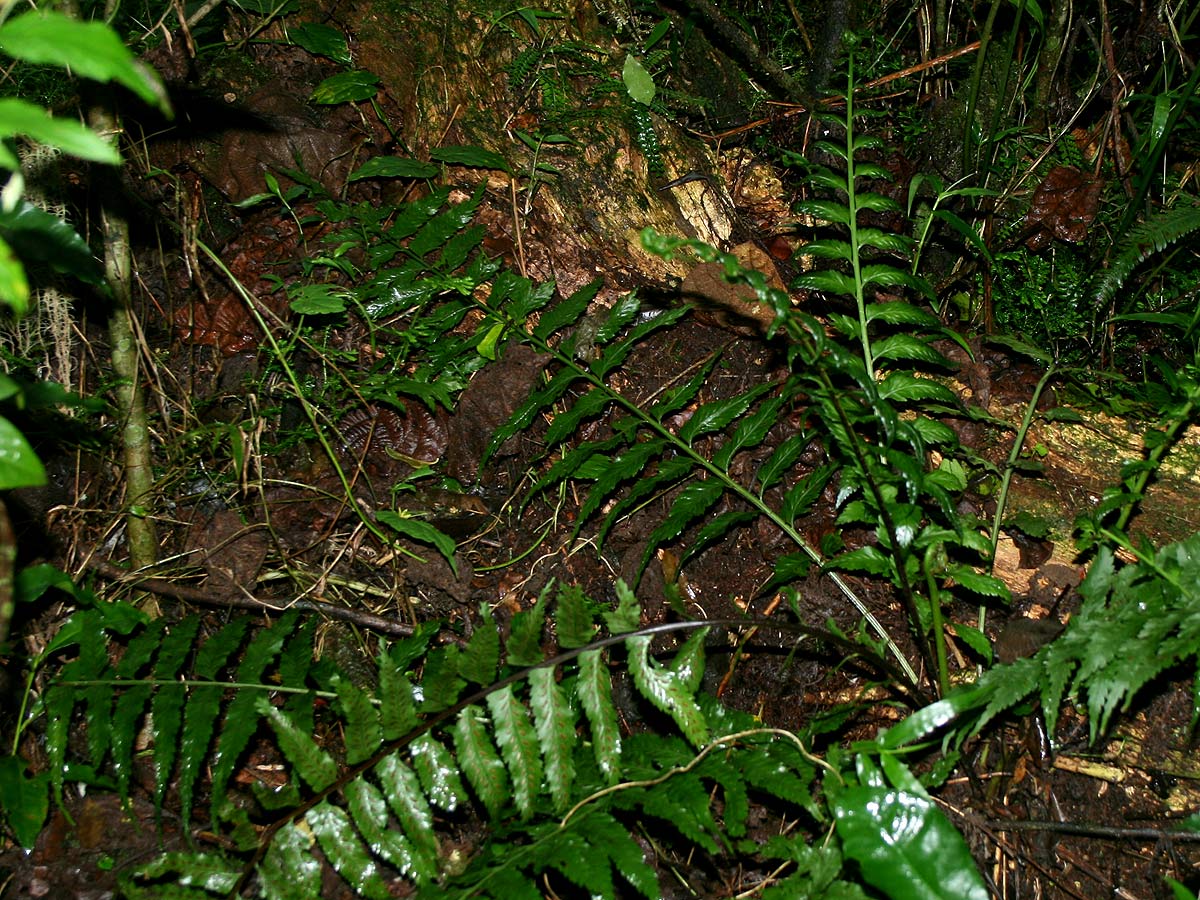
{"x":533,"y":743}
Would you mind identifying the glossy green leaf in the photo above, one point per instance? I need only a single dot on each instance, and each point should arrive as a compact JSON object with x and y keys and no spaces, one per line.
{"x":24,"y":802}
{"x":313,"y":764}
{"x":321,"y":40}
{"x":470,"y":156}
{"x":37,"y":236}
{"x":368,"y":809}
{"x":480,"y":762}
{"x":638,"y":82}
{"x":346,"y":87}
{"x":402,"y":790}
{"x":421,"y":531}
{"x":290,"y":870}
{"x":394,"y":167}
{"x":89,"y":49}
{"x":572,"y":618}
{"x":14,"y":284}
{"x":19,"y":464}
{"x":345,"y":851}
{"x":438,"y":773}
{"x":518,"y":746}
{"x":905,"y":846}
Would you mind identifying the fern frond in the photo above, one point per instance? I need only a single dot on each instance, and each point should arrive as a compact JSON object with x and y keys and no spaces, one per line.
{"x":1141,"y":242}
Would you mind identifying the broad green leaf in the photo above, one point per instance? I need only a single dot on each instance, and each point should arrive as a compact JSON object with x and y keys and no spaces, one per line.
{"x":24,"y":802}
{"x":905,"y":845}
{"x":318,"y":299}
{"x":346,"y":87}
{"x":321,"y":40}
{"x":518,"y":746}
{"x":14,"y":284}
{"x":782,"y":459}
{"x":394,"y":167}
{"x":19,"y":464}
{"x":89,"y":49}
{"x":638,"y":82}
{"x":36,"y":235}
{"x":470,"y":156}
{"x":480,"y":762}
{"x":19,"y":117}
{"x":421,"y":531}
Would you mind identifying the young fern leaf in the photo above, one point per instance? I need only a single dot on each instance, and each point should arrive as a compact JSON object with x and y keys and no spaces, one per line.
{"x":241,"y":715}
{"x":1141,"y":242}
{"x":344,"y":849}
{"x":313,"y":764}
{"x":518,"y":746}
{"x":402,"y":790}
{"x":667,"y":690}
{"x":289,"y":868}
{"x":480,"y":762}
{"x":363,"y":730}
{"x":593,"y":686}
{"x":166,"y":710}
{"x":554,"y":721}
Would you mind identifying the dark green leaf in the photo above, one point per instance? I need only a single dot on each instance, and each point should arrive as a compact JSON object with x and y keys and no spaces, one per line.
{"x":394,"y":167}
{"x":471,"y":156}
{"x":346,"y":87}
{"x":321,"y":40}
{"x":37,"y":236}
{"x":24,"y":802}
{"x":88,"y":49}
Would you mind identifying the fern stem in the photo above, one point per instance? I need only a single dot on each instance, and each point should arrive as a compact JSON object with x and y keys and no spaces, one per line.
{"x":852,"y":205}
{"x":716,"y":471}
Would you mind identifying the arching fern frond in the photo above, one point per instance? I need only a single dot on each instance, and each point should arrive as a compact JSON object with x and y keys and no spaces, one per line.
{"x":1140,"y":243}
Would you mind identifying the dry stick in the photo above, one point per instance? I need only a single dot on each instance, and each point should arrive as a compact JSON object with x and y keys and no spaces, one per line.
{"x":247,"y":601}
